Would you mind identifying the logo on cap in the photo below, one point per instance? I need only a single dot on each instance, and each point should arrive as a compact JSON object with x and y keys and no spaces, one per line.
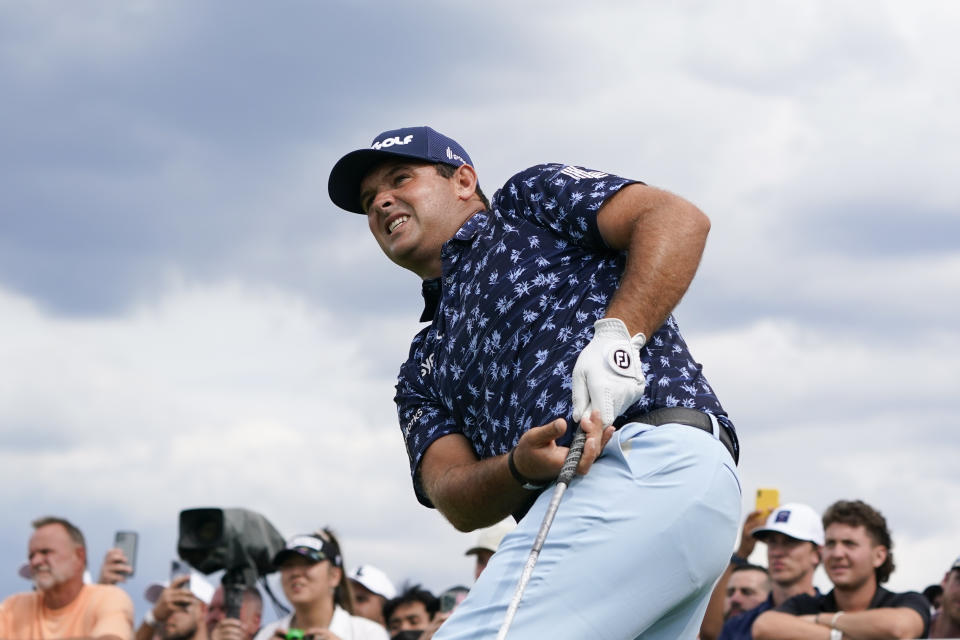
{"x":783,"y":516}
{"x":452,"y":156}
{"x":389,"y":142}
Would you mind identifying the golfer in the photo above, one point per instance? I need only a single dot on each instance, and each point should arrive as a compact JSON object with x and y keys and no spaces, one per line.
{"x":550,"y":306}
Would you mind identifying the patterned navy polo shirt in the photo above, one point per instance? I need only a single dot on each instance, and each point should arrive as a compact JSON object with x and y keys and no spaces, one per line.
{"x":522,"y":285}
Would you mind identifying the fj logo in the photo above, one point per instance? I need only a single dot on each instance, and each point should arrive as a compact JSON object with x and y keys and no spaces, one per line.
{"x":389,"y":142}
{"x":621,"y":358}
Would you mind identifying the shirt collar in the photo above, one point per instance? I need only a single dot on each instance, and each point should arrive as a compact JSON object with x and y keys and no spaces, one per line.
{"x":471,"y":227}
{"x":431,"y":298}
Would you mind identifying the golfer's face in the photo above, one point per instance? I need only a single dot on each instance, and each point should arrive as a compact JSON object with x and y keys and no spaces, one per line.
{"x":408,"y":206}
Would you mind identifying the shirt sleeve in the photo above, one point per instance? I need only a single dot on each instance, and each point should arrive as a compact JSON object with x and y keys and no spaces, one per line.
{"x":563,"y":198}
{"x":915,"y":601}
{"x":423,"y":416}
{"x":114,"y":614}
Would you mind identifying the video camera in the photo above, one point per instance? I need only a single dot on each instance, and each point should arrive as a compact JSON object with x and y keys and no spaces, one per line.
{"x":241,"y":542}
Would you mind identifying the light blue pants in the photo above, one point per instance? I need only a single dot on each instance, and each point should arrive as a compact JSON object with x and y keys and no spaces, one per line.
{"x":634,"y":551}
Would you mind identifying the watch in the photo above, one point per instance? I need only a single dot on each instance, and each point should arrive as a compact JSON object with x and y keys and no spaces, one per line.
{"x":526,"y":483}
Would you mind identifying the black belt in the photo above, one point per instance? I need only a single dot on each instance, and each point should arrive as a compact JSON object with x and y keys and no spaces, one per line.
{"x":689,"y":417}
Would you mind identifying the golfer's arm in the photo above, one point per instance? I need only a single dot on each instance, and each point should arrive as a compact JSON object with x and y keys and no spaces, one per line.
{"x":470,"y":493}
{"x":664,"y":236}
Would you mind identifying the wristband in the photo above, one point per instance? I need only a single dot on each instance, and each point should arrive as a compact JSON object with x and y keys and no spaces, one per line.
{"x":836,"y":634}
{"x":738,"y":561}
{"x":526,"y":483}
{"x":833,"y":620}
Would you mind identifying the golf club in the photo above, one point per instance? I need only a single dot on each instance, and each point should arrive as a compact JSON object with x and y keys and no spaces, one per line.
{"x":566,"y":475}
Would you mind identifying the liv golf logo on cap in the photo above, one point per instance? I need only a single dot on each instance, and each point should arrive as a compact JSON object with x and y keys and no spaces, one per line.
{"x":395,"y":140}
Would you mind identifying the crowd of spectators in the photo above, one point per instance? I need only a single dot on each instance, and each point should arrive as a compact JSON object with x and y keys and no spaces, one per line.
{"x":850,"y":540}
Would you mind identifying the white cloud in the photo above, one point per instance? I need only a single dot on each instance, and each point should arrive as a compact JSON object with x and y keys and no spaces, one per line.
{"x":226,"y":396}
{"x":828,"y":329}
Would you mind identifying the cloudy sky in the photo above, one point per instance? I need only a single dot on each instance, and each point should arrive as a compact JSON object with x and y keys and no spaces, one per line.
{"x":186,"y":320}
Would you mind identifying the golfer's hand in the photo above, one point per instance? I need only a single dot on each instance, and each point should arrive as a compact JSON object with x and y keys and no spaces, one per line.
{"x":539,"y":458}
{"x":608,"y":376}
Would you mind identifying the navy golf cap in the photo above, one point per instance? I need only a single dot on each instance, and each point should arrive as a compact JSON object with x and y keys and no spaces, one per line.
{"x":420,"y":143}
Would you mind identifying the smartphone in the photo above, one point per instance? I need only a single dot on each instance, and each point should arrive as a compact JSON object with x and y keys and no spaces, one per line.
{"x":179,"y":568}
{"x":767,"y":500}
{"x":126,"y":541}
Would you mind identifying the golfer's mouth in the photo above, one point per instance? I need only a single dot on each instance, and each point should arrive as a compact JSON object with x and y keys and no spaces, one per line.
{"x":396,"y":222}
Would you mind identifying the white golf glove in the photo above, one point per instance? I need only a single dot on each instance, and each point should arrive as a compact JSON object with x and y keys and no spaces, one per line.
{"x":608,"y":376}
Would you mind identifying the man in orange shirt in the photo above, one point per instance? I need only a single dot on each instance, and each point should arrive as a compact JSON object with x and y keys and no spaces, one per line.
{"x":62,"y":606}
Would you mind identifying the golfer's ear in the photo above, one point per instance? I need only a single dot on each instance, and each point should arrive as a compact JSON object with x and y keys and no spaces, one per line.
{"x":465,"y":178}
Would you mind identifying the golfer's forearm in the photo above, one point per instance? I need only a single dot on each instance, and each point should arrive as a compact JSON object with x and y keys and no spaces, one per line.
{"x":476,"y":494}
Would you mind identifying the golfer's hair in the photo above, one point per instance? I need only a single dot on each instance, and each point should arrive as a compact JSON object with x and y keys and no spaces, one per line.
{"x":857,"y":513}
{"x":75,"y":534}
{"x":447,"y":171}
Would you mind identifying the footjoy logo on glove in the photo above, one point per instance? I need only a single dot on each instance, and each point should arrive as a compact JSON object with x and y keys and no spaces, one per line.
{"x":389,"y":142}
{"x":621,"y":359}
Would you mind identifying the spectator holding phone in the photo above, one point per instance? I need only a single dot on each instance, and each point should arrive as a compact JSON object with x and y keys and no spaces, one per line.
{"x":315,"y":584}
{"x":179,"y":609}
{"x":61,"y":605}
{"x":116,"y":567}
{"x":220,"y":627}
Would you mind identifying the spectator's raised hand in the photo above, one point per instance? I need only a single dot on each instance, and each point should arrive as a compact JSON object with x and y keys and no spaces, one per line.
{"x":228,"y":629}
{"x":115,"y":568}
{"x":171,"y":597}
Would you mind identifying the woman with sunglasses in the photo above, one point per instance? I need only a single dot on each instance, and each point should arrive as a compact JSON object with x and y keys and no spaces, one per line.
{"x":313,"y":579}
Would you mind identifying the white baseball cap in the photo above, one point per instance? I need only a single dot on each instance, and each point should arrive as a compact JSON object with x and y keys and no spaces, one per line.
{"x":374,"y":580}
{"x":200,"y":587}
{"x":489,"y":539}
{"x":795,"y":520}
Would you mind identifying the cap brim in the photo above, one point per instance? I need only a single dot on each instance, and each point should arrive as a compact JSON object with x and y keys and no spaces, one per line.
{"x":346,"y":176}
{"x":761,"y":532}
{"x":283,"y":554}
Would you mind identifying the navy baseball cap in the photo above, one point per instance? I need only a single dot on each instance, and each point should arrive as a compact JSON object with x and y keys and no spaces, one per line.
{"x":420,"y":143}
{"x":312,"y":547}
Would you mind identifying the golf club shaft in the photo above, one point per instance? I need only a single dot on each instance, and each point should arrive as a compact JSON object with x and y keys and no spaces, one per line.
{"x":563,"y":480}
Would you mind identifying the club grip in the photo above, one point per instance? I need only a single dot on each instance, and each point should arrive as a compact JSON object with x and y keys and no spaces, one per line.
{"x":573,"y":457}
